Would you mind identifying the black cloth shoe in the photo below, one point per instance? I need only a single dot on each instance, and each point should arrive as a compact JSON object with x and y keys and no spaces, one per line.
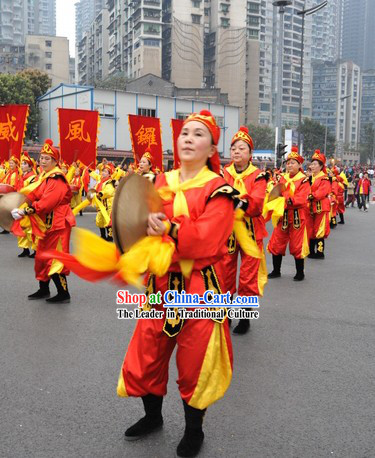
{"x":42,"y":292}
{"x":300,"y":275}
{"x":153,"y":420}
{"x":242,"y":327}
{"x":103,"y":233}
{"x":191,"y":443}
{"x":193,"y":437}
{"x":276,"y":261}
{"x":63,"y":296}
{"x":32,"y":255}
{"x":342,"y":221}
{"x":4,"y":232}
{"x":25,"y":253}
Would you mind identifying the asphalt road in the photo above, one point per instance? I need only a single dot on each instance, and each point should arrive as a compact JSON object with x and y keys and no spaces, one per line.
{"x":304,"y":377}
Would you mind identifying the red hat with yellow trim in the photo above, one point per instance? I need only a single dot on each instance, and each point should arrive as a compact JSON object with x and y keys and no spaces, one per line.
{"x":295,"y":155}
{"x":206,"y":118}
{"x":110,"y":167}
{"x":243,"y":134}
{"x":335,"y":170}
{"x":318,"y":156}
{"x":149,"y":157}
{"x":49,"y":149}
{"x":26,"y":158}
{"x":15,"y":160}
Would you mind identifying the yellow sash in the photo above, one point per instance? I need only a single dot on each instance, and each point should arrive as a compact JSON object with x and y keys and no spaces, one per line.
{"x":239,"y":184}
{"x":31,"y":187}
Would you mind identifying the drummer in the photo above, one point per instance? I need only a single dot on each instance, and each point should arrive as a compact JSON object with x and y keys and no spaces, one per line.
{"x":12,"y":177}
{"x":146,"y":166}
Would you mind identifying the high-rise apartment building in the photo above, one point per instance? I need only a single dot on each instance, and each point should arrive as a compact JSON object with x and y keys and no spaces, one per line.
{"x":12,"y":29}
{"x":183,"y":42}
{"x":336,"y":100}
{"x":86,"y":12}
{"x":368,"y":101}
{"x":116,"y":31}
{"x":93,"y":51}
{"x":142,"y":41}
{"x":40,"y":17}
{"x":326,"y":31}
{"x":358,"y":32}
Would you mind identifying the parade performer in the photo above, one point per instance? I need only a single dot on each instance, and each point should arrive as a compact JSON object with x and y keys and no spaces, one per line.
{"x":194,"y":228}
{"x":11,"y":177}
{"x":291,"y":227}
{"x":28,"y":176}
{"x":146,"y":166}
{"x":251,"y":184}
{"x":319,"y":204}
{"x":333,"y":197}
{"x":48,"y":204}
{"x":341,"y":183}
{"x":105,"y":191}
{"x":76,"y":186}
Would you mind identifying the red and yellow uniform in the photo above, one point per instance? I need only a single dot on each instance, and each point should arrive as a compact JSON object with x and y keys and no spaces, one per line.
{"x":320,"y":207}
{"x":76,"y":186}
{"x":12,"y":176}
{"x":204,"y":354}
{"x":291,"y":228}
{"x":251,"y":184}
{"x":105,"y":191}
{"x":341,"y":182}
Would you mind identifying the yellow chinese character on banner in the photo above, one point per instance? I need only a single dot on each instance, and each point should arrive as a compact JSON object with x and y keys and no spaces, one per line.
{"x":76,"y":131}
{"x":146,"y":135}
{"x":7,"y":129}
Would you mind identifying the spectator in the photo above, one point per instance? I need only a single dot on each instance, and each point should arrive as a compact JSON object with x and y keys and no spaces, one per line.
{"x":351,"y":196}
{"x":363,"y":188}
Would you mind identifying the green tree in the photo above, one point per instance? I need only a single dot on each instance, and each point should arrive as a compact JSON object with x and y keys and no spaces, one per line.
{"x":314,"y":136}
{"x":24,"y":88}
{"x":115,"y":82}
{"x":263,"y":136}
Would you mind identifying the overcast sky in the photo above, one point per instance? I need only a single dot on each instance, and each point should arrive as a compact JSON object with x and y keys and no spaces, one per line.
{"x":65,"y":22}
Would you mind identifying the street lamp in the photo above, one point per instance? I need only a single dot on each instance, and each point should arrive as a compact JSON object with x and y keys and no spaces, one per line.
{"x":304,"y":13}
{"x":281,"y":4}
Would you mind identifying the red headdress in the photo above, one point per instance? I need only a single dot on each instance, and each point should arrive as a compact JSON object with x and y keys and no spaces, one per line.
{"x":243,"y":134}
{"x":295,"y":155}
{"x":49,"y":149}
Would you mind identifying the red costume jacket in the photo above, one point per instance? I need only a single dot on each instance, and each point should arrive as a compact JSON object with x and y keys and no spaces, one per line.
{"x":51,"y":201}
{"x":320,"y":190}
{"x":256,"y":185}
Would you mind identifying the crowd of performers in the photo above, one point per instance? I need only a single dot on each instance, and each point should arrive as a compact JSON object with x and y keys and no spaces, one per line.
{"x":213,"y":222}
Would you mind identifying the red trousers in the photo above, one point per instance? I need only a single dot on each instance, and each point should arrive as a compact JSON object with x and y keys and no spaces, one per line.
{"x":318,"y":225}
{"x":292,"y":231}
{"x":55,"y":240}
{"x":253,"y":272}
{"x":204,"y":361}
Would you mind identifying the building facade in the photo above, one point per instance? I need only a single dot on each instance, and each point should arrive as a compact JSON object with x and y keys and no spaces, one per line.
{"x":368,"y":101}
{"x":92,"y":51}
{"x":337,"y":99}
{"x":114,"y":107}
{"x":86,"y":12}
{"x":358,"y":34}
{"x":40,"y":17}
{"x":49,"y":54}
{"x":12,"y":25}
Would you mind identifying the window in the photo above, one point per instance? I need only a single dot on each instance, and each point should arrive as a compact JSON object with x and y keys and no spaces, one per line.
{"x":147,"y":112}
{"x":224,"y":22}
{"x":148,"y":42}
{"x":48,"y":55}
{"x":224,"y":7}
{"x":105,"y":110}
{"x":196,"y":3}
{"x":48,"y":44}
{"x":196,"y":19}
{"x":182,"y":116}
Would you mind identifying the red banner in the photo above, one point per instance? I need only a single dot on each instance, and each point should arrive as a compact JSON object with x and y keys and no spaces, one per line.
{"x":176,"y":125}
{"x":78,"y":135}
{"x":145,"y":134}
{"x":13,"y":120}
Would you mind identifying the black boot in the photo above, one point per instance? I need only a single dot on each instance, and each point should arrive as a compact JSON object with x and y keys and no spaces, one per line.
{"x":242,"y":327}
{"x":151,"y":422}
{"x":193,"y":437}
{"x":42,"y":292}
{"x":61,"y":284}
{"x":319,"y":249}
{"x":300,"y":275}
{"x":4,"y":232}
{"x":103,"y":233}
{"x":80,"y":213}
{"x":25,"y":253}
{"x":341,"y":215}
{"x":276,"y":261}
{"x":312,"y":245}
